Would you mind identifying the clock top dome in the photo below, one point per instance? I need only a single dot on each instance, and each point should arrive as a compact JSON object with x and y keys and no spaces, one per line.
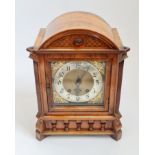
{"x":75,"y":23}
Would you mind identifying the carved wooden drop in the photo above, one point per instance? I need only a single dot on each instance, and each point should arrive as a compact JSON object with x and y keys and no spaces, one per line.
{"x":78,"y":37}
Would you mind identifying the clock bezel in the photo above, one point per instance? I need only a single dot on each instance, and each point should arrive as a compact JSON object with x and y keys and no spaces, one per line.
{"x":53,"y":109}
{"x":94,"y":99}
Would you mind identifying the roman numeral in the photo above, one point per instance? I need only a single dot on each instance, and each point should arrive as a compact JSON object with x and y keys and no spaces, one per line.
{"x":78,"y":65}
{"x":87,"y":67}
{"x":87,"y":96}
{"x":61,"y":74}
{"x":61,"y":91}
{"x":68,"y":96}
{"x":94,"y":74}
{"x":68,"y":68}
{"x":77,"y":98}
{"x":59,"y":82}
{"x":97,"y":81}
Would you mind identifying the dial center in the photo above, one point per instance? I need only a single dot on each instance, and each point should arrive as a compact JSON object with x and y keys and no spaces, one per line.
{"x":78,"y":82}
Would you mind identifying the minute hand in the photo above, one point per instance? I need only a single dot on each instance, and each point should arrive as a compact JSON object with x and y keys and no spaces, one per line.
{"x":84,"y":73}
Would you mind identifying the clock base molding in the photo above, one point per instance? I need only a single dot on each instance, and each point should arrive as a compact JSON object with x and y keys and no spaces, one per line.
{"x":49,"y":125}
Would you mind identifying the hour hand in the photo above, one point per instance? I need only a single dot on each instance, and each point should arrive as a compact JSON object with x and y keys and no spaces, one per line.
{"x":77,"y":89}
{"x":78,"y":81}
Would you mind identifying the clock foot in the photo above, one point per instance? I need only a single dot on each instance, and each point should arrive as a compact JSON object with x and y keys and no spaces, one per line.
{"x":117,"y":136}
{"x":39,"y":136}
{"x":40,"y":127}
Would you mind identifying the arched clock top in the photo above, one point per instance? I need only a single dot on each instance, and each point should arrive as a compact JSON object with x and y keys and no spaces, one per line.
{"x":78,"y":30}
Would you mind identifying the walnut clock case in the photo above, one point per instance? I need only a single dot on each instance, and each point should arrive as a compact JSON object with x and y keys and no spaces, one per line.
{"x":78,"y":64}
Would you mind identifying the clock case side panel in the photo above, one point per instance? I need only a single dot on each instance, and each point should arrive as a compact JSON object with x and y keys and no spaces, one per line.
{"x":35,"y":65}
{"x":120,"y":76}
{"x":39,"y":69}
{"x":72,"y":109}
{"x":116,"y":83}
{"x":118,"y":73}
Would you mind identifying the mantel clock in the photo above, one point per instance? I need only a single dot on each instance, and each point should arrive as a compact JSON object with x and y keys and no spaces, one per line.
{"x":78,"y":64}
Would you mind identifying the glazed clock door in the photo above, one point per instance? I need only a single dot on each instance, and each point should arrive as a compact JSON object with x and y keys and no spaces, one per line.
{"x":77,"y":84}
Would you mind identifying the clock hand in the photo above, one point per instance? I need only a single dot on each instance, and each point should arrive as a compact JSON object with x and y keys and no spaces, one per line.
{"x":84,"y":74}
{"x":77,"y":89}
{"x":78,"y":81}
{"x":79,"y":78}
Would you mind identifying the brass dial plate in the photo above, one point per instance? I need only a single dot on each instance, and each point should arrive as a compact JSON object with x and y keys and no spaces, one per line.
{"x":67,"y":90}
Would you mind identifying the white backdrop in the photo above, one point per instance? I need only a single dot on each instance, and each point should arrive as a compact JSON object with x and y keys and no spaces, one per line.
{"x":30,"y":17}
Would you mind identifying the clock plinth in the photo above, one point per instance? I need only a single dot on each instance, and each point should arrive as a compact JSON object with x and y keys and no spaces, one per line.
{"x":80,"y":125}
{"x":78,"y":72}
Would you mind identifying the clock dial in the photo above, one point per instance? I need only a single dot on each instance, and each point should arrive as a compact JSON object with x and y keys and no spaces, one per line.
{"x":78,"y":81}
